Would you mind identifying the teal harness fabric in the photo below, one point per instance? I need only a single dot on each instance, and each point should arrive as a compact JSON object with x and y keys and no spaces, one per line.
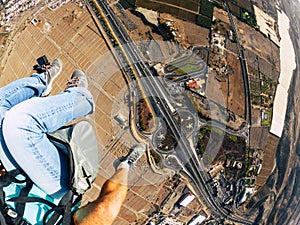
{"x":34,"y":212}
{"x":24,"y":203}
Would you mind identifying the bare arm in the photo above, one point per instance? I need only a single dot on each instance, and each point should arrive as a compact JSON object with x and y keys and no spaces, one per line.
{"x":105,"y":209}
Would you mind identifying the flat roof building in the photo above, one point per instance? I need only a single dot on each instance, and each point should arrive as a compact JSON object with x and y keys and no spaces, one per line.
{"x":186,"y":199}
{"x":198,"y":219}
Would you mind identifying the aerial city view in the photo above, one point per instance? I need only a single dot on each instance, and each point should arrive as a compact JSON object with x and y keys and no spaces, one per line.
{"x":211,"y":87}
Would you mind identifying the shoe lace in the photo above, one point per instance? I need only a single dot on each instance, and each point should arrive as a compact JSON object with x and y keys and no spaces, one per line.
{"x":50,"y":69}
{"x":73,"y":82}
{"x":133,"y":158}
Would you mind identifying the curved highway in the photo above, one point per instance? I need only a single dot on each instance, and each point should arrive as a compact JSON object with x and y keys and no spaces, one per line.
{"x":153,"y":86}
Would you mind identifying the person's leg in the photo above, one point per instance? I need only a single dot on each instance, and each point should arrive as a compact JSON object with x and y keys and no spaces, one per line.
{"x":25,"y":129}
{"x":11,"y":95}
{"x":19,"y":91}
{"x":105,"y":209}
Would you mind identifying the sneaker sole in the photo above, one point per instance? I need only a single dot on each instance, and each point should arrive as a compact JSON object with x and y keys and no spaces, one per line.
{"x":49,"y":87}
{"x":140,"y":149}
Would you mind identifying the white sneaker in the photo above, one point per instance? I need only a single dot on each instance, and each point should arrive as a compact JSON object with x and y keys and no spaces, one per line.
{"x":78,"y":79}
{"x":51,"y":74}
{"x":134,"y":155}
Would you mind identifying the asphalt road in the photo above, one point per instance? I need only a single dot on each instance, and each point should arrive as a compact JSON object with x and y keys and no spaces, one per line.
{"x":151,"y":85}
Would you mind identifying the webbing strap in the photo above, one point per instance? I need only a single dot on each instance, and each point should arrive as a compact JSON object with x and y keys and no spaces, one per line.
{"x":26,"y":199}
{"x":66,"y":204}
{"x":61,"y":213}
{"x":5,"y":180}
{"x":20,"y":206}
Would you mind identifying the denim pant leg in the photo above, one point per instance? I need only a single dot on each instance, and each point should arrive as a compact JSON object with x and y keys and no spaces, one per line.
{"x":11,"y":95}
{"x":25,"y":127}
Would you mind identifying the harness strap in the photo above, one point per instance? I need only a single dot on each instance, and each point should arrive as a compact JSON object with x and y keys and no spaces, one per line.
{"x":26,"y":199}
{"x":20,"y":206}
{"x":8,"y":215}
{"x":63,"y":212}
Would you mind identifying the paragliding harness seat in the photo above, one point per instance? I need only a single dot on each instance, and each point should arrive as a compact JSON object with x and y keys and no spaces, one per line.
{"x":79,"y":143}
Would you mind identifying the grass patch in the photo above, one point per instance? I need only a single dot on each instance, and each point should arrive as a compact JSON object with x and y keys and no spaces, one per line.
{"x":217,"y":131}
{"x":266,"y":118}
{"x":185,"y":65}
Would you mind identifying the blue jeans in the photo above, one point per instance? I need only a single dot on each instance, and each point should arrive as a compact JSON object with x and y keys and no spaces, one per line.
{"x":26,"y":118}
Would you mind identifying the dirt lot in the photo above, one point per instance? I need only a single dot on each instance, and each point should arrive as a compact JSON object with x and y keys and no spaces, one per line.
{"x":195,"y":35}
{"x":258,"y":137}
{"x":230,"y":93}
{"x":236,"y":87}
{"x":258,"y":43}
{"x":221,"y":15}
{"x":188,"y":34}
{"x":256,"y":117}
{"x":268,"y":160}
